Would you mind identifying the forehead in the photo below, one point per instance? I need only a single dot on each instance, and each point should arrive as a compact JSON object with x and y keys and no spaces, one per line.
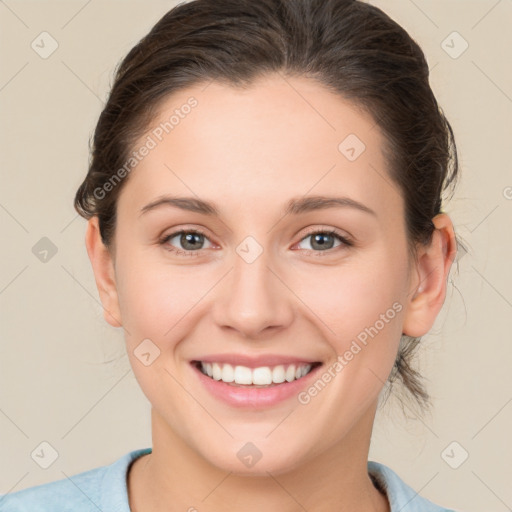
{"x":280,"y":137}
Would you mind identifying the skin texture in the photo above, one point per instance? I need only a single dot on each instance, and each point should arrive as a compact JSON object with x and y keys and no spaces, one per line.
{"x":250,"y":151}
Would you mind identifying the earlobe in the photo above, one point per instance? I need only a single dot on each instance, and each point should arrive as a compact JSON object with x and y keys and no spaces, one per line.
{"x":428,"y":290}
{"x":101,"y":261}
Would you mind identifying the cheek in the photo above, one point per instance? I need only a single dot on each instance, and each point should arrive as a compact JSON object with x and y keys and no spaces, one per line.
{"x":158,"y":303}
{"x":153,"y":298}
{"x":361,"y":303}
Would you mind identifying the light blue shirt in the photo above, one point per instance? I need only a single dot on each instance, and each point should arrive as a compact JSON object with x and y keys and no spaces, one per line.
{"x":104,"y":489}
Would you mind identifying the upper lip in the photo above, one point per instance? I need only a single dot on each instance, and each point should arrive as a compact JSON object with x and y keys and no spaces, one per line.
{"x":254,"y":361}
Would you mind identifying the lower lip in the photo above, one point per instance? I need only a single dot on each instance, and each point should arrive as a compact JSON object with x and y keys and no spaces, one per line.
{"x":245,"y":396}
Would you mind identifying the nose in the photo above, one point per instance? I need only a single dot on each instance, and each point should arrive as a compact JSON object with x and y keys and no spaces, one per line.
{"x":255,"y":299}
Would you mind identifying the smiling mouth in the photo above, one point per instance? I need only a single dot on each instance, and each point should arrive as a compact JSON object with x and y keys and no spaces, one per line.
{"x":260,"y":377}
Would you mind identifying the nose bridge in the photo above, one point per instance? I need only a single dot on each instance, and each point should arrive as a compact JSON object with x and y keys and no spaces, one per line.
{"x":254,"y":298}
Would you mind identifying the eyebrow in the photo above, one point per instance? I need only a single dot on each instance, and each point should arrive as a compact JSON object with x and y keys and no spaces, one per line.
{"x":295,"y":206}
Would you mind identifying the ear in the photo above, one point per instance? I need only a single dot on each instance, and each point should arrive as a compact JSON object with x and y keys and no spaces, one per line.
{"x":429,"y":281}
{"x":104,"y":274}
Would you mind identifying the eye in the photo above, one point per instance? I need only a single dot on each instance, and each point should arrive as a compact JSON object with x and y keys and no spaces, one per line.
{"x":323,"y":240}
{"x":191,"y":241}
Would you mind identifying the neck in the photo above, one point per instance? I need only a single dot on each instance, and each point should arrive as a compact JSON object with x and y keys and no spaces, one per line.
{"x":174,"y":477}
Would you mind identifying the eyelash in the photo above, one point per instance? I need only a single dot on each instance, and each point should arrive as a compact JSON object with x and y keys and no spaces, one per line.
{"x":345,"y":241}
{"x":331,"y":232}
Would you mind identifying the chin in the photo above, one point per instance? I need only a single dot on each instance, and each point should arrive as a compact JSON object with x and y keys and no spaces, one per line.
{"x":256,"y":458}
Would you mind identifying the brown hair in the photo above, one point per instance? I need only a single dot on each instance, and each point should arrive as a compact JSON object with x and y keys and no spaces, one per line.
{"x":350,"y":47}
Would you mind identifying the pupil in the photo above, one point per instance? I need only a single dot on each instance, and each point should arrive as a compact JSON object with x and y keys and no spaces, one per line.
{"x":318,"y":239}
{"x":190,"y":238}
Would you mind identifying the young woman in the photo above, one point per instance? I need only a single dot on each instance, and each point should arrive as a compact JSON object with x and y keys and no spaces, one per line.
{"x":265,"y":223}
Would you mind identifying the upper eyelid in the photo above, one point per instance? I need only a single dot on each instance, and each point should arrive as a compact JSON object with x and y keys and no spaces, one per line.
{"x":314,"y":230}
{"x":343,"y":238}
{"x":326,"y":229}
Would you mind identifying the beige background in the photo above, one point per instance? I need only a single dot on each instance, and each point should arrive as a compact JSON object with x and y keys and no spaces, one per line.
{"x":63,"y":376}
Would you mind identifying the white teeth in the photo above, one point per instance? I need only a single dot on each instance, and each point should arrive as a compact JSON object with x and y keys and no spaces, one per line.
{"x":228,"y":373}
{"x":243,"y":375}
{"x":261,"y":376}
{"x":290,"y":373}
{"x":278,"y":375}
{"x":217,"y":371}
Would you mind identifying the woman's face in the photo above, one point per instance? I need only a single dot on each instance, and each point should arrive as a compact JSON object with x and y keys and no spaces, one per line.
{"x":257,"y":283}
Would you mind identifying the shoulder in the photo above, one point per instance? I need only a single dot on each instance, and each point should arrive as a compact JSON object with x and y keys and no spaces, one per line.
{"x":101,"y":488}
{"x":401,"y":497}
